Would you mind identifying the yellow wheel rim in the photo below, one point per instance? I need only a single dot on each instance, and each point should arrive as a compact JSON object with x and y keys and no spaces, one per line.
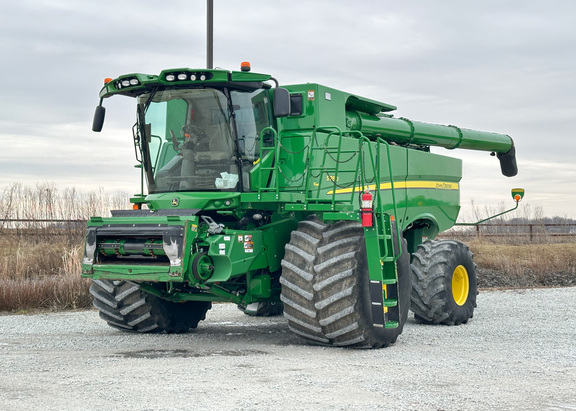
{"x":460,"y":285}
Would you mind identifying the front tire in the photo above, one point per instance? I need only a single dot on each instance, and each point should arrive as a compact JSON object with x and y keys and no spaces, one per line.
{"x":125,"y":306}
{"x":444,"y":284}
{"x":325,"y":286}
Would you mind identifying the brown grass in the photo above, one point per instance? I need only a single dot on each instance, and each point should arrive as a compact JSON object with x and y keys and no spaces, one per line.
{"x":527,"y":265}
{"x":62,"y":292}
{"x":45,"y":275}
{"x":40,"y":261}
{"x":41,"y":276}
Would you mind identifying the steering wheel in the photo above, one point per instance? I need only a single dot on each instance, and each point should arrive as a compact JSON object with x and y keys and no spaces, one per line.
{"x":189,"y":131}
{"x":192,"y":134}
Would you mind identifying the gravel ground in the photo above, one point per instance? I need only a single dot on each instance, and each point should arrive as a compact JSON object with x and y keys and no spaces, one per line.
{"x":518,"y":353}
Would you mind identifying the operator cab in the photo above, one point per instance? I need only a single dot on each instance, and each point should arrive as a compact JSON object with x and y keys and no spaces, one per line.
{"x":201,"y":140}
{"x":200,"y":130}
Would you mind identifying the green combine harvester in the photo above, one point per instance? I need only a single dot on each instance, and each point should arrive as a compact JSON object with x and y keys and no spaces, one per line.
{"x":301,"y":199}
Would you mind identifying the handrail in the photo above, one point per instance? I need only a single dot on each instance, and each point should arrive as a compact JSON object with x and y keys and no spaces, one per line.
{"x":333,"y":148}
{"x":262,"y":170}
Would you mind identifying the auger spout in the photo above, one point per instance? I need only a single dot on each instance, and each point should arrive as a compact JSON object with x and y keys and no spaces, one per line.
{"x":403,"y":131}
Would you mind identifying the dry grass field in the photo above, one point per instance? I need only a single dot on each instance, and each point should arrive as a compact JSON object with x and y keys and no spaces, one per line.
{"x":40,"y":261}
{"x":41,"y":275}
{"x":526,"y":265}
{"x":44,"y":273}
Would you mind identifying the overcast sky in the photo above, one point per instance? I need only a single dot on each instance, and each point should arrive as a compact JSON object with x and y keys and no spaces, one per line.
{"x":492,"y":65}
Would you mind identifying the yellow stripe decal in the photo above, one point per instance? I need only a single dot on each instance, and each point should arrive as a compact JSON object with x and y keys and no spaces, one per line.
{"x":436,"y":185}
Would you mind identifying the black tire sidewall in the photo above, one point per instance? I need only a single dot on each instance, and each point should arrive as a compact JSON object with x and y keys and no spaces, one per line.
{"x":432,"y":298}
{"x":460,"y":256}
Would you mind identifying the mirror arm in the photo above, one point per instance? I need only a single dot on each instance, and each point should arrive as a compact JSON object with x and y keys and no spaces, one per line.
{"x":489,"y":218}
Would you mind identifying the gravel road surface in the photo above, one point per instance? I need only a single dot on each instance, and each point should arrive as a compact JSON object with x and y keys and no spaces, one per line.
{"x":518,"y":353}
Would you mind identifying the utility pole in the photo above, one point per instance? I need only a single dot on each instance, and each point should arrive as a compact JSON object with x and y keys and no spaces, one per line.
{"x":210,"y":35}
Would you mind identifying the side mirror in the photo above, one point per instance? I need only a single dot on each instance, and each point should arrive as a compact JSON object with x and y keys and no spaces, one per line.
{"x":281,"y":102}
{"x":99,"y":115}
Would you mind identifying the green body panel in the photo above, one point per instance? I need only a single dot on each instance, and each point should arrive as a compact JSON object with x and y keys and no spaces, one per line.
{"x":204,"y":201}
{"x":226,"y":243}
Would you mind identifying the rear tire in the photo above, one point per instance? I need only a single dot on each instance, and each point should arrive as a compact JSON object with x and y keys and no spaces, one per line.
{"x":125,"y":306}
{"x":444,"y":286}
{"x":325,"y":286}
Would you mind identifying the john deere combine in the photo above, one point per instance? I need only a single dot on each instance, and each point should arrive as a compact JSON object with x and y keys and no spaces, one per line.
{"x":302,"y":199}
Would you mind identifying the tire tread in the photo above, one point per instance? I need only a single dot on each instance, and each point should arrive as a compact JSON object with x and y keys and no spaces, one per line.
{"x":125,"y":306}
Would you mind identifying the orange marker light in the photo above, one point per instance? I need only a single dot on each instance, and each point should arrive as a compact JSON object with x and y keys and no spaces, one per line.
{"x":245,"y":66}
{"x":107,"y":80}
{"x":136,"y":206}
{"x":517,"y":197}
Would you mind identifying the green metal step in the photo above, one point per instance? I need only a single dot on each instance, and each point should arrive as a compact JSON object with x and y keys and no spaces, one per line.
{"x":391,"y":324}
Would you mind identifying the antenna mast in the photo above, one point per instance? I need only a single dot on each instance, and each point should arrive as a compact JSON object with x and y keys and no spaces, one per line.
{"x":210,"y":35}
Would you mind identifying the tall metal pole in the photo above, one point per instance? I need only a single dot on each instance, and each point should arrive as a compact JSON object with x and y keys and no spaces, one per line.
{"x":210,"y":35}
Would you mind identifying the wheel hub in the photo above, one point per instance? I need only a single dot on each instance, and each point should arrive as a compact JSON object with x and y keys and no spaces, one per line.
{"x":460,"y":285}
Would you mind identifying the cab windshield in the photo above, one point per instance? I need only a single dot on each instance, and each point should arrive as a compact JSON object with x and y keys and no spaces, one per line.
{"x":198,"y":140}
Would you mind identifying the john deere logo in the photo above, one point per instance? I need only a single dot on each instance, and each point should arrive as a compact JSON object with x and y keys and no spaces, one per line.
{"x":175,"y":202}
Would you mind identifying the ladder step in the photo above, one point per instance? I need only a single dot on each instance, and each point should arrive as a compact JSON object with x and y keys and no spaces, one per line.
{"x":389,"y":302}
{"x":391,"y":324}
{"x":384,"y":236}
